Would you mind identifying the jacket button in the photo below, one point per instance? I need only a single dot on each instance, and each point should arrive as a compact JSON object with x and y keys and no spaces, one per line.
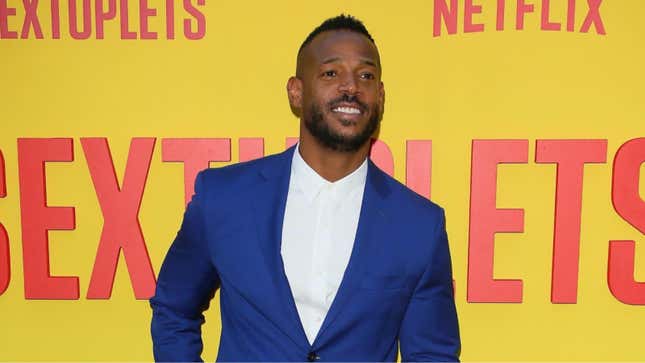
{"x":312,"y":356}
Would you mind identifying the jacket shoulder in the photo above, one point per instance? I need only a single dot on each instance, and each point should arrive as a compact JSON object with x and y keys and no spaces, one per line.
{"x":410,"y":201}
{"x":235,"y":175}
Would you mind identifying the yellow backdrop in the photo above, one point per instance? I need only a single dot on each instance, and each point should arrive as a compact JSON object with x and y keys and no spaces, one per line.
{"x":229,"y":82}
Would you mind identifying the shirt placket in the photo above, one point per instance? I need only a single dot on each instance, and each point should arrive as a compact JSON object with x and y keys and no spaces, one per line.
{"x":327,"y":247}
{"x":319,"y":288}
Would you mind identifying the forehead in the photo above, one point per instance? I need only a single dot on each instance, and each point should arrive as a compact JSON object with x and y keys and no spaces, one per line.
{"x":342,"y":45}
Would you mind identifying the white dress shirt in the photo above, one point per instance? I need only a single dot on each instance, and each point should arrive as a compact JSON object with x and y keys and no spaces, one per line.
{"x":318,"y":232}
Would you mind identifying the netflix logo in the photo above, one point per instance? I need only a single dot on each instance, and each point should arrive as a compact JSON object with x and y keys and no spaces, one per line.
{"x":451,"y":12}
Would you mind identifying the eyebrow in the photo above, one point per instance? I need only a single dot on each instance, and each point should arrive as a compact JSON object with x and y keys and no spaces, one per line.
{"x":336,"y":59}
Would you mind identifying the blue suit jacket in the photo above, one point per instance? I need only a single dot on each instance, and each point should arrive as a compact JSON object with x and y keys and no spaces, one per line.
{"x":397,"y":286}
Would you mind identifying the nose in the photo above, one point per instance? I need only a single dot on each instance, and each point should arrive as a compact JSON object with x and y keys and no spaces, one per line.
{"x":348,"y":85}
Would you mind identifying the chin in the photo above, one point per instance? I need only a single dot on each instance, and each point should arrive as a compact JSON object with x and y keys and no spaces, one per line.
{"x":348,"y":122}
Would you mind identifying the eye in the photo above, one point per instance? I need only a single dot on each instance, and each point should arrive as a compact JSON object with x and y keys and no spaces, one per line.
{"x":367,"y":75}
{"x":329,"y":73}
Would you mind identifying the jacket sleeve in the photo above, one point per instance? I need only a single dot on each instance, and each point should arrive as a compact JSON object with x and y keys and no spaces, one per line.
{"x":429,"y":331}
{"x":186,"y":284}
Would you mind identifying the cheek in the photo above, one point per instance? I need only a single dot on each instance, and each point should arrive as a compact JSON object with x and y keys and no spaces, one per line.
{"x":376,"y":93}
{"x":321,"y":99}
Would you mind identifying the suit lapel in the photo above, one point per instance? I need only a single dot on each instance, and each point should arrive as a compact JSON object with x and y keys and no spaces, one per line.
{"x":372,"y":215}
{"x":269,"y":204}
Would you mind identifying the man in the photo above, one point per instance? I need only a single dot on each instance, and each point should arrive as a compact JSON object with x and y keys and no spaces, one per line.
{"x":319,"y":255}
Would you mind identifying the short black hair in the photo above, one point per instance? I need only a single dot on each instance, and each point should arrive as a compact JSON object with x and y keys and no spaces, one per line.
{"x":340,"y":22}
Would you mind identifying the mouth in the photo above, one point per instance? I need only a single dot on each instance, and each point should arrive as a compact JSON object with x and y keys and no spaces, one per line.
{"x":347,"y":109}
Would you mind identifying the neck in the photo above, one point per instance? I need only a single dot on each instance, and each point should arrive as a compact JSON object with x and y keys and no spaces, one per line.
{"x":330,"y":164}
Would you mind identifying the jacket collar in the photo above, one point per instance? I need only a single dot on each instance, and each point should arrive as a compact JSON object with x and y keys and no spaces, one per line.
{"x":281,"y":168}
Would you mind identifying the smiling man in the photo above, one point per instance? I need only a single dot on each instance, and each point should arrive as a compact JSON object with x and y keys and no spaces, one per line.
{"x":319,"y":255}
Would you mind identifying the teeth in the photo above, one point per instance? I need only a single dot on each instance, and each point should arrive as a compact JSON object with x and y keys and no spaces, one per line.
{"x":350,"y":110}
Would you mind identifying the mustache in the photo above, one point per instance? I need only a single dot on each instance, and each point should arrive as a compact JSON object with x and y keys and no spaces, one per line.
{"x":345,"y":98}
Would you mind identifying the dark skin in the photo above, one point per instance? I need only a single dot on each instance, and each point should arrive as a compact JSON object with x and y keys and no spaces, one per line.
{"x":336,"y":63}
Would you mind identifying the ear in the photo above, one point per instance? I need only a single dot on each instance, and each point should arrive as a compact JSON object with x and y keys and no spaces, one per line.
{"x":294,"y":92}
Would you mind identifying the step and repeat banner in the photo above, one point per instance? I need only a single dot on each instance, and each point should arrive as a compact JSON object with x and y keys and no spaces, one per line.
{"x":524,"y":119}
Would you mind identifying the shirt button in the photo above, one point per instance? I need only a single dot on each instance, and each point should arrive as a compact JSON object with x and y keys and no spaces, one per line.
{"x":312,"y":356}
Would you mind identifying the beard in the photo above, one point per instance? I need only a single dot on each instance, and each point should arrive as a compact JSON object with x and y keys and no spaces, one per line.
{"x":319,"y":127}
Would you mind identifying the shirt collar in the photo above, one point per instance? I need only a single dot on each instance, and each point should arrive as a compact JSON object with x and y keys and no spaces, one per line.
{"x":310,"y":183}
